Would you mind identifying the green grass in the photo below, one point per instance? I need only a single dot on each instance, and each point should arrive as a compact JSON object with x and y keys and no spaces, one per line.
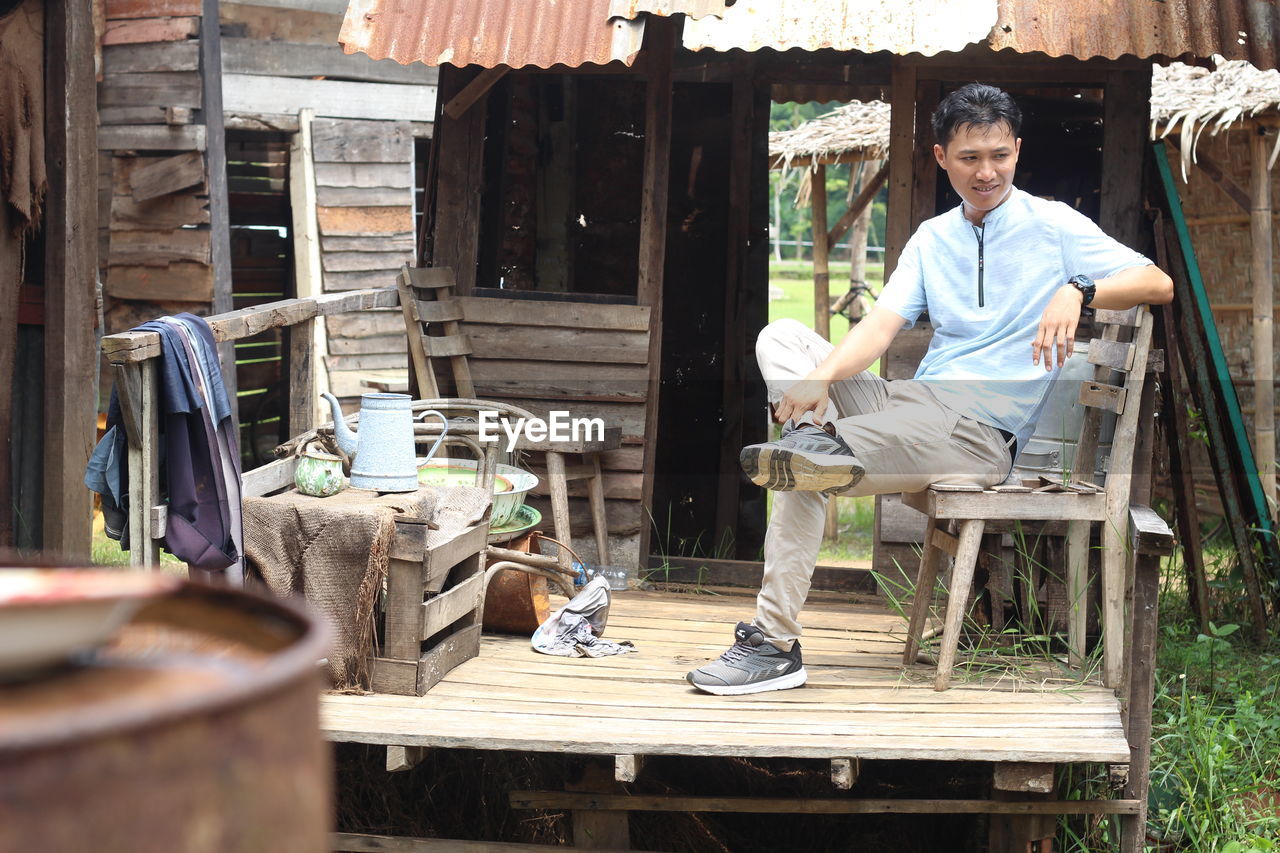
{"x":104,"y":551}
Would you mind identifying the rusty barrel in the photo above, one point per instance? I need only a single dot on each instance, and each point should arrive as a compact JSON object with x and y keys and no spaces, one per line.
{"x":196,"y":730}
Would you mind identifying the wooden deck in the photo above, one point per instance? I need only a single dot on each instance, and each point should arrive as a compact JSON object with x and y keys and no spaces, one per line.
{"x":858,"y":703}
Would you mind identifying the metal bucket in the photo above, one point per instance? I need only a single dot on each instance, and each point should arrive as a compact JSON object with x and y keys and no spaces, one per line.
{"x":196,"y":730}
{"x":1051,"y":450}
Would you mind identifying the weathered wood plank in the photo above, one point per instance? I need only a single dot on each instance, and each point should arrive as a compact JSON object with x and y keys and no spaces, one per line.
{"x":1099,"y":395}
{"x":161,"y":56}
{"x":394,"y":243}
{"x":360,"y":196}
{"x":144,"y":115}
{"x":1067,"y":506}
{"x":167,"y":175}
{"x":448,"y":607}
{"x":366,"y":324}
{"x":342,"y":281}
{"x":147,"y":30}
{"x":438,"y":661}
{"x":165,"y":89}
{"x":574,"y":315}
{"x":251,"y":93}
{"x":782,"y":805}
{"x":180,"y":282}
{"x":545,"y":343}
{"x":158,"y":214}
{"x":152,"y":138}
{"x":151,"y":8}
{"x":347,"y":141}
{"x":296,"y":59}
{"x":159,"y":248}
{"x":364,"y":261}
{"x":367,"y":176}
{"x":361,"y":221}
{"x":130,"y":347}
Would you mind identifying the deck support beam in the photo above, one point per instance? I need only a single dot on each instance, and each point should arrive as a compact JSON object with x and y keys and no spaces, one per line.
{"x":844,"y":772}
{"x":587,"y":802}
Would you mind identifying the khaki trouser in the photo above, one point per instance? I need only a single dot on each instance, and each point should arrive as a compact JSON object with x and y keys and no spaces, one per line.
{"x":900,"y":434}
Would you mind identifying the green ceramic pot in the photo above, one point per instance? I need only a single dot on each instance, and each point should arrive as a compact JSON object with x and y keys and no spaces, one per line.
{"x":318,"y":474}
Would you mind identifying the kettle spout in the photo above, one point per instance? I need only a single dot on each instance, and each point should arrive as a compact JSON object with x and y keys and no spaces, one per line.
{"x":347,"y":439}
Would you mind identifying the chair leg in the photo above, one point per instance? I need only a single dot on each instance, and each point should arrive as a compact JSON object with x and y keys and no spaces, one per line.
{"x":559,"y":489}
{"x":1077,"y":591}
{"x":958,"y":598}
{"x":1114,"y":559}
{"x":930,"y":557}
{"x":595,"y":491}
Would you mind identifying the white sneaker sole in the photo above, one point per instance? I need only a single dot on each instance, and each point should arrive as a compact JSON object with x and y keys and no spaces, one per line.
{"x":782,"y":470}
{"x":785,"y":682}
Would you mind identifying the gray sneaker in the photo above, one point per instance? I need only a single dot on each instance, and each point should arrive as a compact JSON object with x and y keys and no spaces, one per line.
{"x":806,"y":457}
{"x":751,"y":665}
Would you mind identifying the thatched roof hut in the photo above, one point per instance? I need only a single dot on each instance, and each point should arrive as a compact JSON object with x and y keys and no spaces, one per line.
{"x":1188,"y":99}
{"x":859,"y":130}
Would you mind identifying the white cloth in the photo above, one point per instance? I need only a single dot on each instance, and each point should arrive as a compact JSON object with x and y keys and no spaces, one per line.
{"x":575,"y":630}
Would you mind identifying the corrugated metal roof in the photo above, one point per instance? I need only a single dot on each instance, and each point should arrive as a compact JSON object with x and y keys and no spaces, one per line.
{"x":1237,"y":29}
{"x":514,"y":33}
{"x":902,"y":26}
{"x":517,"y":33}
{"x":694,"y":9}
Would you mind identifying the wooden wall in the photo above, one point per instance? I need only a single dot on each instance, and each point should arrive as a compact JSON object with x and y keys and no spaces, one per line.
{"x":364,"y":211}
{"x":154,"y":235}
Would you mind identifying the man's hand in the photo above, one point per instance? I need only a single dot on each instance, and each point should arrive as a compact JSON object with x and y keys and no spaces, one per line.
{"x":805,"y":396}
{"x":1058,"y":327}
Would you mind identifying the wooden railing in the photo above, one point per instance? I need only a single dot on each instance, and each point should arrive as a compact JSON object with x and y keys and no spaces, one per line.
{"x":133,"y":357}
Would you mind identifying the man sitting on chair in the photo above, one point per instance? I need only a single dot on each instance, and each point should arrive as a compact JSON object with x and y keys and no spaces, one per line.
{"x":1004,"y":277}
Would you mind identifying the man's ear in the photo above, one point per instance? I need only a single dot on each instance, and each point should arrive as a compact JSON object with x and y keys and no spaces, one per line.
{"x":940,"y":155}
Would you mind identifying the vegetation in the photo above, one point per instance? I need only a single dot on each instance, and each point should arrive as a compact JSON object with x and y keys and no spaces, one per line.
{"x":792,"y":224}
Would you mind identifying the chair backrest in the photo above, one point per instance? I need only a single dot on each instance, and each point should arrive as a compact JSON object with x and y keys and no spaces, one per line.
{"x":1120,"y":354}
{"x":431,"y":316}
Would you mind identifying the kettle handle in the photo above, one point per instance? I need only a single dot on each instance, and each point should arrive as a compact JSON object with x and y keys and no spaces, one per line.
{"x":443,"y":432}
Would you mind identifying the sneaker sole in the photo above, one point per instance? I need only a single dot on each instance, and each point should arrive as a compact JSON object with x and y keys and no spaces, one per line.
{"x":783,"y":470}
{"x":784,"y":682}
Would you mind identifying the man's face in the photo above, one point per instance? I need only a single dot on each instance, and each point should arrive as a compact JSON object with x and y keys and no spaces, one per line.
{"x":980,"y":160}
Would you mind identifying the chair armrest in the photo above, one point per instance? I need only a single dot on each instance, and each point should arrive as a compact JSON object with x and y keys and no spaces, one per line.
{"x":1150,"y":533}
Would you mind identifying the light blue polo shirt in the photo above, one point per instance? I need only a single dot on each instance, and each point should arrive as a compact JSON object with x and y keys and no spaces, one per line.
{"x":979,"y":361}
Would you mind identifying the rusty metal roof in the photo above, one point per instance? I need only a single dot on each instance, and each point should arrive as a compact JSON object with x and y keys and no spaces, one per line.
{"x":1237,"y":29}
{"x":514,"y":33}
{"x":902,"y":26}
{"x":694,"y":9}
{"x":517,"y":33}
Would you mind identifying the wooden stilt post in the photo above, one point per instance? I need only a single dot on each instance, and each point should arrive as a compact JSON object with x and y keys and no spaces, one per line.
{"x":71,"y":245}
{"x":822,"y":293}
{"x":1264,"y":394}
{"x":660,"y":39}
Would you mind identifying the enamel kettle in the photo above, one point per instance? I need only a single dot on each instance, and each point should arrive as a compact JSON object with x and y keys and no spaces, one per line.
{"x":381,"y":454}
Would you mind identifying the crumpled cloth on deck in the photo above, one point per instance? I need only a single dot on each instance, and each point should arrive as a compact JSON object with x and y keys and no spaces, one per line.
{"x":574,"y":631}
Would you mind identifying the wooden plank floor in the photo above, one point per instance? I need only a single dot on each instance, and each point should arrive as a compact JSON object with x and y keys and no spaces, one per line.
{"x":858,"y":703}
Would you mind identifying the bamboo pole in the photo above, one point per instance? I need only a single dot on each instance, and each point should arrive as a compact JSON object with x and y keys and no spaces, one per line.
{"x":821,"y":272}
{"x":822,"y":294}
{"x":1264,"y":421}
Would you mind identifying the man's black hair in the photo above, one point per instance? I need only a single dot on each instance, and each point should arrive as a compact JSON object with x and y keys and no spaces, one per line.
{"x":975,"y":104}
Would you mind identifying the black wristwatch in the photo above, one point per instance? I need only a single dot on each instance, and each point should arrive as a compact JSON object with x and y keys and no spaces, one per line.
{"x":1085,"y":285}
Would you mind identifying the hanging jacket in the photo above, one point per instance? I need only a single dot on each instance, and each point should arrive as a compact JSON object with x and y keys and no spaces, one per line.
{"x":200,"y":461}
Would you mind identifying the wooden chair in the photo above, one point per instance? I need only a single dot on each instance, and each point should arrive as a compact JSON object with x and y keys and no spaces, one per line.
{"x":1077,"y":501}
{"x":429,"y":304}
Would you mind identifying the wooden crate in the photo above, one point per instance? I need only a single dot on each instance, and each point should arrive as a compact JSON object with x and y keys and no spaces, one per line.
{"x":435,"y":595}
